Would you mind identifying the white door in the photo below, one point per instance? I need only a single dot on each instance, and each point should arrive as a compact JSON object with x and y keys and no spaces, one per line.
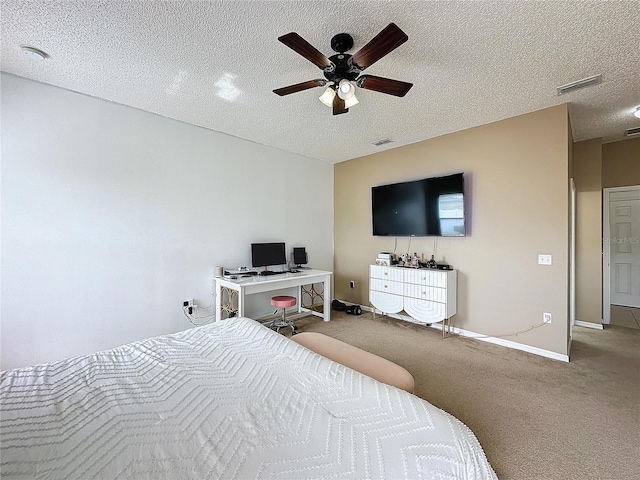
{"x":624,"y":246}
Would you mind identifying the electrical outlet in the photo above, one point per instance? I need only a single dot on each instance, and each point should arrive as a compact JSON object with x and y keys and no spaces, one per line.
{"x":352,"y":284}
{"x":546,"y":317}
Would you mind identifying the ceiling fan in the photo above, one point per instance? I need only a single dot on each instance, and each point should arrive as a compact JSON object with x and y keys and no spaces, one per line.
{"x":343,"y":71}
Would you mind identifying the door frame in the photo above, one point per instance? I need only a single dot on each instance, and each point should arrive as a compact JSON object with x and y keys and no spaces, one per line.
{"x":606,"y":250}
{"x":572,"y":262}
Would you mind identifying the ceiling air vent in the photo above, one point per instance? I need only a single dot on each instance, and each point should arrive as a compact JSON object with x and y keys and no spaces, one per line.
{"x":377,"y":143}
{"x":585,"y":82}
{"x":632,"y":132}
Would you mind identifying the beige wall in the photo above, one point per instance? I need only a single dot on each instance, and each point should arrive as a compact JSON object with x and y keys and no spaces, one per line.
{"x":587,"y":169}
{"x":621,"y":163}
{"x":516,"y":180}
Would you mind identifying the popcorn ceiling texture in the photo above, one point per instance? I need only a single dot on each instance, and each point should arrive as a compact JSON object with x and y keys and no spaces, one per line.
{"x":215,"y":64}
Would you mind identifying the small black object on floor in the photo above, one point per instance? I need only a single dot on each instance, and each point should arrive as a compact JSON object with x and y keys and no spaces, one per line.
{"x":339,"y":306}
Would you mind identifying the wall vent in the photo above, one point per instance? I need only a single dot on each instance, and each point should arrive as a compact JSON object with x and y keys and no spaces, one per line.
{"x":632,"y":132}
{"x":383,"y":141}
{"x":585,"y":82}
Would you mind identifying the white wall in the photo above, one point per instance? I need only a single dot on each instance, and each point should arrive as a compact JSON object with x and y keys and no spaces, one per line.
{"x":111,"y":216}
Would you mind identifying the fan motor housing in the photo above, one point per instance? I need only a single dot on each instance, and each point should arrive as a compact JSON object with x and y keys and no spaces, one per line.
{"x":343,"y":68}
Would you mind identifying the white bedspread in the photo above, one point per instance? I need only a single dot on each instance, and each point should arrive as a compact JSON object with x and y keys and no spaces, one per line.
{"x":228,"y":400}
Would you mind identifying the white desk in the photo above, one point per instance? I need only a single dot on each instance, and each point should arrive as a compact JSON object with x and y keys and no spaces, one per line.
{"x":243,"y":286}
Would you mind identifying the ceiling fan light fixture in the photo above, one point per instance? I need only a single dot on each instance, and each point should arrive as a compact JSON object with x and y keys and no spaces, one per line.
{"x":351,"y":101}
{"x":328,"y":96}
{"x":346,"y":89}
{"x":637,"y":112}
{"x":342,"y":71}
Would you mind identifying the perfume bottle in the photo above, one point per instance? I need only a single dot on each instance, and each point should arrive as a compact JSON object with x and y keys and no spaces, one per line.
{"x":432,"y":263}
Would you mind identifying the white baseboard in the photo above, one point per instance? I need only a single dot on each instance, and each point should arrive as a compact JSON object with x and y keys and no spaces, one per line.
{"x":515,"y":345}
{"x":580,"y":323}
{"x":478,"y":336}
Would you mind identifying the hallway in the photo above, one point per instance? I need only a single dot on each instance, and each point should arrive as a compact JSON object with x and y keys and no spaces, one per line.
{"x":625,"y":316}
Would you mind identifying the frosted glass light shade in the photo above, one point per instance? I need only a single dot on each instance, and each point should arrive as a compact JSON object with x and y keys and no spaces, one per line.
{"x":346,"y":89}
{"x":328,"y":96}
{"x":351,"y":101}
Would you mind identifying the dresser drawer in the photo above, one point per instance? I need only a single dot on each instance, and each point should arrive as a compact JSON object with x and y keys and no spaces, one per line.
{"x":386,"y":273}
{"x":385,"y":286}
{"x":386,"y":302}
{"x":433,"y":278}
{"x":425,"y":311}
{"x":424,"y":292}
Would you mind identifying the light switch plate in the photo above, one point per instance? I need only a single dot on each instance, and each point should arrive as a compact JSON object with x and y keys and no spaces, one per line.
{"x":544,"y":259}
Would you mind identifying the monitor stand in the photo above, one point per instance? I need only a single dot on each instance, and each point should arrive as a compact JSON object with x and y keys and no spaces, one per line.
{"x":269,"y":272}
{"x":300,"y":267}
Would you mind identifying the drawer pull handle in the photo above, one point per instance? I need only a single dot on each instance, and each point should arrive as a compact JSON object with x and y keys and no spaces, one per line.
{"x":386,"y":286}
{"x":386,"y":273}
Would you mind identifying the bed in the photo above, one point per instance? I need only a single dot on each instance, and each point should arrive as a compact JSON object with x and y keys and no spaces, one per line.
{"x":228,"y":400}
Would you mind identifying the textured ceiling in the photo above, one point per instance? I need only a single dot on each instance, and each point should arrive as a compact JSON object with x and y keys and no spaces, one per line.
{"x":215,"y":64}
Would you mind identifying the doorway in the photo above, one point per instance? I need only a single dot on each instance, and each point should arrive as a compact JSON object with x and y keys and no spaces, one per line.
{"x":621,"y":252}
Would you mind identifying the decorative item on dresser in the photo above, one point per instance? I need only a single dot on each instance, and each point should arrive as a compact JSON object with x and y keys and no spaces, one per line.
{"x":428,"y":296}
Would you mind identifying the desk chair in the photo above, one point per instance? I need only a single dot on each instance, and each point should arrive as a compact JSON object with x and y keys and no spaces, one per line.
{"x":283,"y":301}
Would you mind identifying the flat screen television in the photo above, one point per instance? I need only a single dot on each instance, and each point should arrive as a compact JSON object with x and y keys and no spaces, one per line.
{"x":428,"y":207}
{"x":267,"y":254}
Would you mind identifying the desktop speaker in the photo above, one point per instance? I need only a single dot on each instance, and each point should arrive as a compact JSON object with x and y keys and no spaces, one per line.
{"x":299,"y":255}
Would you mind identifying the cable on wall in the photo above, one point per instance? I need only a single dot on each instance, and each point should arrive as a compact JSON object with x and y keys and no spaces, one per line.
{"x":506,"y":334}
{"x":196,"y":315}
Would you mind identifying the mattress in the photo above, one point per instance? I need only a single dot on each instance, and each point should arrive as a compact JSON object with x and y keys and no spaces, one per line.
{"x":230,"y":400}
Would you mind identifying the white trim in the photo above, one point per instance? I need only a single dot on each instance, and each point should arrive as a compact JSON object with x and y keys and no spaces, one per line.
{"x":515,"y":345}
{"x":572,"y":266}
{"x":597,"y":326}
{"x":498,"y":341}
{"x":606,"y":255}
{"x":606,"y":251}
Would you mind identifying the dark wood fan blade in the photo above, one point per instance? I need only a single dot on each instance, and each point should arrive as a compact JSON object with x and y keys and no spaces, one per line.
{"x":299,"y":45}
{"x":298,"y":87}
{"x":390,"y":38}
{"x":384,"y":85}
{"x":338,"y":106}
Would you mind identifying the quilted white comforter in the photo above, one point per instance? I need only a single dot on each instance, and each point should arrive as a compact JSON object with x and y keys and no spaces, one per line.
{"x":227,"y":400}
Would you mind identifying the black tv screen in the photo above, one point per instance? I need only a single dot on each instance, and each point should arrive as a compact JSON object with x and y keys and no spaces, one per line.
{"x":266,"y":254}
{"x":431,"y":206}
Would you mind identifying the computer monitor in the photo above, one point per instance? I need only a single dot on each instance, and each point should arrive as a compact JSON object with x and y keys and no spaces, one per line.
{"x":266,"y":254}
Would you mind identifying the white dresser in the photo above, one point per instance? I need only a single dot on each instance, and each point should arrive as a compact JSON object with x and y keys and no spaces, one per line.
{"x":427,"y":296}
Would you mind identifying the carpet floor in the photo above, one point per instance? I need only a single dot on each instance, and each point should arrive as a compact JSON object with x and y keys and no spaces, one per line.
{"x":536,"y":418}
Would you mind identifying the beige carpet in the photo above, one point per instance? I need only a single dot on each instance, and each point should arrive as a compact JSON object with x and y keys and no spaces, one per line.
{"x":536,"y":418}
